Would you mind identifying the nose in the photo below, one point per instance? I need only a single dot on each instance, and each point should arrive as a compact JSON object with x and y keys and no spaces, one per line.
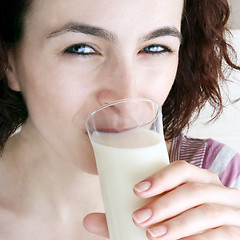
{"x":121,"y":81}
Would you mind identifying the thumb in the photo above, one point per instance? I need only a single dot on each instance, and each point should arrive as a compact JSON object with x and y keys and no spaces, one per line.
{"x":96,"y":223}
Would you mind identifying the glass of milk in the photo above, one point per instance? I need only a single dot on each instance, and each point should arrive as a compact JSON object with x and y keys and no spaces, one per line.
{"x":128,"y":143}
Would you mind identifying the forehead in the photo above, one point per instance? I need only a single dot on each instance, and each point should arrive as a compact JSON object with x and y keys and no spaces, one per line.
{"x":126,"y":16}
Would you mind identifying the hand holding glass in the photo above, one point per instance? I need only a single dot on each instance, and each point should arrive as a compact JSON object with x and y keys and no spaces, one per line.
{"x":128,"y":143}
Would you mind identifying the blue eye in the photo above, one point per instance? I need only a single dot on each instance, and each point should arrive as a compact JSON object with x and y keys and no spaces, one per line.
{"x":155,"y":49}
{"x":80,"y":49}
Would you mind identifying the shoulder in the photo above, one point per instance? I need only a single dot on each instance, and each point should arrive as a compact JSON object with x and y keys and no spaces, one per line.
{"x":209,"y":154}
{"x":216,"y":151}
{"x":224,"y":161}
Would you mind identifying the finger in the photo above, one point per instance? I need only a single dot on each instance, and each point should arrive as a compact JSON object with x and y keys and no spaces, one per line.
{"x":221,"y":233}
{"x":183,"y":198}
{"x":96,"y":223}
{"x":198,"y":220}
{"x":174,"y":175}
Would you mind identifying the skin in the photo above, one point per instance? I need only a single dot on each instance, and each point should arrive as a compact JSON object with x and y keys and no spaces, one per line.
{"x":51,"y":159}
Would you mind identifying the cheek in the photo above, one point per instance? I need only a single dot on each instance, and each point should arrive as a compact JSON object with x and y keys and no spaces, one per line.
{"x":53,"y":86}
{"x":159,"y":91}
{"x":159,"y":83}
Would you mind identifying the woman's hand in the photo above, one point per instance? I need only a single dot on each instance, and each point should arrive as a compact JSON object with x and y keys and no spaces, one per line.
{"x":191,"y":203}
{"x":96,"y":223}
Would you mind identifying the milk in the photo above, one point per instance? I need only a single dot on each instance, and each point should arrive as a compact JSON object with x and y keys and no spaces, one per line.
{"x":124,"y":159}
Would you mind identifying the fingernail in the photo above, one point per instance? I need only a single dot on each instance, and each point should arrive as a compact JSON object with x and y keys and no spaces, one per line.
{"x":142,"y":215}
{"x":142,"y":186}
{"x":157,"y":231}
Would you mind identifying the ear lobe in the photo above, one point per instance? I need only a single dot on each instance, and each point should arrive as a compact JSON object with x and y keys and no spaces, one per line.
{"x":11,"y":74}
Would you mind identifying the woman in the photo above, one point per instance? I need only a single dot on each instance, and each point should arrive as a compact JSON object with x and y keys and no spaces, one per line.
{"x":61,"y":60}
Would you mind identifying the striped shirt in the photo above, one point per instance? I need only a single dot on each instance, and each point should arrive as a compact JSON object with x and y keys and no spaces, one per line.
{"x":209,"y":154}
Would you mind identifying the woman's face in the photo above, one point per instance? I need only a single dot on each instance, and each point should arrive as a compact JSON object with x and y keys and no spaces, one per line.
{"x":77,"y":55}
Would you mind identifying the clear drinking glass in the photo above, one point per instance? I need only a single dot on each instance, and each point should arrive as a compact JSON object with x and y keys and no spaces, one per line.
{"x":128,"y":143}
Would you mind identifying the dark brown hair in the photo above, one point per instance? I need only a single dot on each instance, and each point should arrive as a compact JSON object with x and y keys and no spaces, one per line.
{"x":13,"y":110}
{"x":201,"y":56}
{"x":200,"y":71}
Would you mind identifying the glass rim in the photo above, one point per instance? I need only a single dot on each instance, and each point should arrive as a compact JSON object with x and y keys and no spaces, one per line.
{"x":123,"y":101}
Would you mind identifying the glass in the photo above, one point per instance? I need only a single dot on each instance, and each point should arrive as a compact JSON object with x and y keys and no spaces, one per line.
{"x":128,"y":143}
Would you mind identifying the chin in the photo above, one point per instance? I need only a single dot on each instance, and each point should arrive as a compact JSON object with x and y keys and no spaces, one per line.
{"x":92,"y":171}
{"x":91,"y":166}
{"x":88,"y":162}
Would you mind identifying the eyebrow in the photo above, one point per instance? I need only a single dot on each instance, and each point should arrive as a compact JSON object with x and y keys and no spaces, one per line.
{"x":85,"y":29}
{"x":107,"y":35}
{"x":162,"y":32}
